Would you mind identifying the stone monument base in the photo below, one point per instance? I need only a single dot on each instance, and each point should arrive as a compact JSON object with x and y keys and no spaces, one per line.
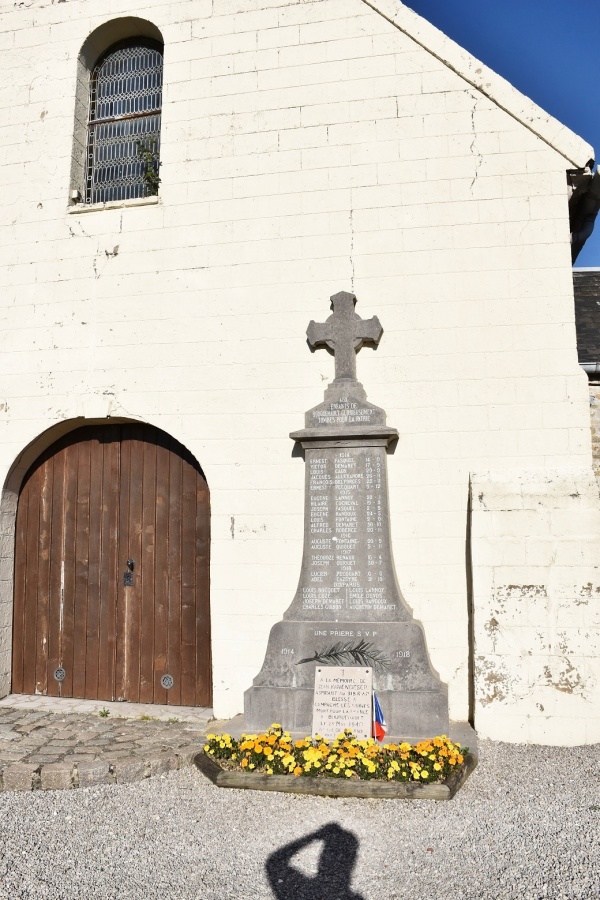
{"x":422,"y":714}
{"x":413,"y":700}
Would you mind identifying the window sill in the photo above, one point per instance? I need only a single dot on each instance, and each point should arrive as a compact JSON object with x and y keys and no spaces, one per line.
{"x":79,"y":208}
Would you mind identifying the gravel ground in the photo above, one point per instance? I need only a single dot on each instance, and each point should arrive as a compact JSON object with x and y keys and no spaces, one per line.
{"x":525,"y":825}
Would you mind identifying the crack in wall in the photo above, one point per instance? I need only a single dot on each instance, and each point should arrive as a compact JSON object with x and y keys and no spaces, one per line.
{"x":473,"y":148}
{"x":352,"y":248}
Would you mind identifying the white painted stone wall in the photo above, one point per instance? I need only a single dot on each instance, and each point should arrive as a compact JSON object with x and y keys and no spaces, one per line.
{"x":536,"y":602}
{"x":307,"y":148}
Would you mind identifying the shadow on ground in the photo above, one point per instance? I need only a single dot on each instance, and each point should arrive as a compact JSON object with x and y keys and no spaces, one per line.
{"x":334,"y":869}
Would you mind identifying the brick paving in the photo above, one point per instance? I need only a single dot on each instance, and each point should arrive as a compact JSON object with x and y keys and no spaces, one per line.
{"x":46,"y":744}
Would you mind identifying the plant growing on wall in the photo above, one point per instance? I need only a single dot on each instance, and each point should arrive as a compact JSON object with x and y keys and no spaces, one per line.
{"x":148,"y":154}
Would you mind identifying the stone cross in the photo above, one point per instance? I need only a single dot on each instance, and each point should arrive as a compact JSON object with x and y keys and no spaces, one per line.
{"x":344,"y":332}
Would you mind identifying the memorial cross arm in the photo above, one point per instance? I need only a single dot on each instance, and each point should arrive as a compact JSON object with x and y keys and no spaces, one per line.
{"x":344,"y":332}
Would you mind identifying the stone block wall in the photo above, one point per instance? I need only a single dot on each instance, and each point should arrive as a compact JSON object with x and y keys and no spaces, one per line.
{"x":595,"y":425}
{"x":535,"y":544}
{"x":307,"y":148}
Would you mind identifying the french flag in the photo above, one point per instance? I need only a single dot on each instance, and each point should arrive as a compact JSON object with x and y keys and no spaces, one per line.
{"x":379,"y":726}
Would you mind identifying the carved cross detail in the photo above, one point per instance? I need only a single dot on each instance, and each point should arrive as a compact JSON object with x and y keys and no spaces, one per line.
{"x":344,"y":332}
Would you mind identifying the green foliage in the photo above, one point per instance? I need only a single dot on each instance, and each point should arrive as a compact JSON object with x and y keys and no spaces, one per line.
{"x":148,"y":154}
{"x":104,"y":713}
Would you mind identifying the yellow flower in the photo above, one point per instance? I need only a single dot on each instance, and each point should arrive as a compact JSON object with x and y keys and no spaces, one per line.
{"x":437,"y":767}
{"x":298,"y":770}
{"x":312,"y":754}
{"x":424,"y":774}
{"x":206,"y":748}
{"x":348,"y":773}
{"x":251,"y":766}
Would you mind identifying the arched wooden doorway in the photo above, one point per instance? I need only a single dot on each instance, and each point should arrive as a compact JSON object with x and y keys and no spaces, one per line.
{"x":112,"y":570}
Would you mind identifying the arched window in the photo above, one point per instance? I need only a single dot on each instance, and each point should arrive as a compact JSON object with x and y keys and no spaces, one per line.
{"x":123,"y":133}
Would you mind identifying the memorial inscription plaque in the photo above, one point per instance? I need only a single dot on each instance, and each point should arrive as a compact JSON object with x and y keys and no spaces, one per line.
{"x":343,"y":699}
{"x":348,"y":609}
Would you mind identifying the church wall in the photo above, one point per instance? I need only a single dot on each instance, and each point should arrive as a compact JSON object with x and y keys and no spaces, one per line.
{"x":536,"y":602}
{"x":594,"y":389}
{"x":307,"y":148}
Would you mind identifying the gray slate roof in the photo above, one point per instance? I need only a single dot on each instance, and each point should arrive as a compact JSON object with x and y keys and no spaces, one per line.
{"x":586,"y":284}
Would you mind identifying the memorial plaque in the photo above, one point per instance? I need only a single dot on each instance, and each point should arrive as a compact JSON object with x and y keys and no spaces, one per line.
{"x":348,"y":609}
{"x":343,"y":699}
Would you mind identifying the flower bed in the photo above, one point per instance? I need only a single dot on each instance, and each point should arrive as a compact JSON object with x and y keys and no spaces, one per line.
{"x":272,"y":760}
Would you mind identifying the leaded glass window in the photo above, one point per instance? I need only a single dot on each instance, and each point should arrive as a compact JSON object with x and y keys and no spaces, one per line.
{"x":123,"y":145}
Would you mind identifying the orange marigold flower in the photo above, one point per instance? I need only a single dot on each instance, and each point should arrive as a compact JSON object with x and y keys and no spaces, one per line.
{"x":298,"y":770}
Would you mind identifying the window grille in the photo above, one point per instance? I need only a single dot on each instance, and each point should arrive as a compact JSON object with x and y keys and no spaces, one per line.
{"x":123,"y":142}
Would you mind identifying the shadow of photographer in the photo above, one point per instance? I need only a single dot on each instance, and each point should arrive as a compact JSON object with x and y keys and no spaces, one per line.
{"x":334,"y":873}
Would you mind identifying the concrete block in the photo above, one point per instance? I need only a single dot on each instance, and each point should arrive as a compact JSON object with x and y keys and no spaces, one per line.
{"x":94,"y":772}
{"x":57,"y":777}
{"x":185,"y":754}
{"x":130,"y":769}
{"x":19,"y":777}
{"x":162,"y":763}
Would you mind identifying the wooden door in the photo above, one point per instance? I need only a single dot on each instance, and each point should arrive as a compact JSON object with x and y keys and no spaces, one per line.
{"x":112,"y":570}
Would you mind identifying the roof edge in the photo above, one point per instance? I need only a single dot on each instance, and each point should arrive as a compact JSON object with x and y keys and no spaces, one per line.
{"x":573,"y":148}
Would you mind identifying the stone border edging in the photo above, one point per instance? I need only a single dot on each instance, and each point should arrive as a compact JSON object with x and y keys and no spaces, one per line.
{"x":61,"y":776}
{"x":332,"y":787}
